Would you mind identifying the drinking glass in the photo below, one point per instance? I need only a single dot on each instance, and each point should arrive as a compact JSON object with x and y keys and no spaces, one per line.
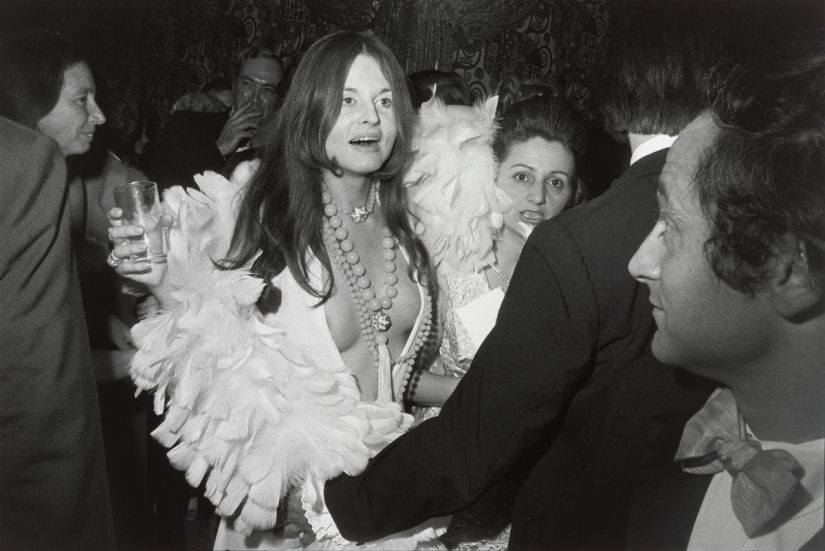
{"x":140,"y":204}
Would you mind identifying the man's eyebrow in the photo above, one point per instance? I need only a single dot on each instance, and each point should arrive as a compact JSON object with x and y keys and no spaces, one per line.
{"x":661,"y":193}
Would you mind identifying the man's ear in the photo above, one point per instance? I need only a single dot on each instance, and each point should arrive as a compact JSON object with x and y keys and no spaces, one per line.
{"x":794,"y":291}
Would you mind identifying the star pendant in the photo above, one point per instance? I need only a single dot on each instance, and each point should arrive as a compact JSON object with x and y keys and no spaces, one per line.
{"x":359,"y":214}
{"x":381,"y":321}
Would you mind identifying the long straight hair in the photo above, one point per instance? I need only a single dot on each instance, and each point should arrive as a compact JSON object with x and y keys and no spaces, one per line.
{"x":282,"y":212}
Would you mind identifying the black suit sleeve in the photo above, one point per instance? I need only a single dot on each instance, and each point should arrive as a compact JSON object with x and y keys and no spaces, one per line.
{"x":573,"y":315}
{"x":520,"y":383}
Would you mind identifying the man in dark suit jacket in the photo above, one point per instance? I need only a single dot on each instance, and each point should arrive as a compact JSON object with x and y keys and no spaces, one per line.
{"x":572,"y":324}
{"x":194,"y":142}
{"x":53,"y":491}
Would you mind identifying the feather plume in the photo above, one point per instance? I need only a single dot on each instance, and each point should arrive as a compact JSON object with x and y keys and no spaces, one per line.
{"x":245,"y":407}
{"x":452,"y":183}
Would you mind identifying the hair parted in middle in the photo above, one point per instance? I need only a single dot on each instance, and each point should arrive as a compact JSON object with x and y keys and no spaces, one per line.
{"x":282,"y":211}
{"x":533,"y":111}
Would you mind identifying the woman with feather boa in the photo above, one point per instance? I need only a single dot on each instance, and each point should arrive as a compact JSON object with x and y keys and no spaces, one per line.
{"x":293,"y":304}
{"x":297,"y":293}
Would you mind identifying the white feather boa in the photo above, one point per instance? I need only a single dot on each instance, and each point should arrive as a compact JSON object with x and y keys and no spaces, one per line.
{"x":452,"y":184}
{"x":244,"y":406}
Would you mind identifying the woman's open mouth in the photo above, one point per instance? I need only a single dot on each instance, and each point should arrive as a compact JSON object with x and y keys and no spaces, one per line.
{"x":531,"y":216}
{"x":368,"y":142}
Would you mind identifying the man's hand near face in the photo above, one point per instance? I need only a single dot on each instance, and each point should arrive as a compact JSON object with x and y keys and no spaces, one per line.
{"x":242,"y":124}
{"x":193,"y":143}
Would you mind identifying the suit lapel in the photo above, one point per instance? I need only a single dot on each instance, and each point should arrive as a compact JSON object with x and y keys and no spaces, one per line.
{"x":666,"y":500}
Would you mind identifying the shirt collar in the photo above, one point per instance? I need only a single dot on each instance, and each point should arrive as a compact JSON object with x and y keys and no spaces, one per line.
{"x":654,"y":144}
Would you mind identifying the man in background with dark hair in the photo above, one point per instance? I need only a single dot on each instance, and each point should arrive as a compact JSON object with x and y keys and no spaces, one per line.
{"x":193,"y":142}
{"x":572,"y":323}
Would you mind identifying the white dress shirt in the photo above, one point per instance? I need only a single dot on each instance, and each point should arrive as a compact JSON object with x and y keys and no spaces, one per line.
{"x":717,"y":527}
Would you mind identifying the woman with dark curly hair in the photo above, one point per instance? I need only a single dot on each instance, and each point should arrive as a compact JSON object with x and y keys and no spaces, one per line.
{"x":513,"y":166}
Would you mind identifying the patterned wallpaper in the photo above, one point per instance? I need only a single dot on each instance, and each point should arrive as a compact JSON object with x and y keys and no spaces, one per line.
{"x":190,"y":42}
{"x":166,"y":48}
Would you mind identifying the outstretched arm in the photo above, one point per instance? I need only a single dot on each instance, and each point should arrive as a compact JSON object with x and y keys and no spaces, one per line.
{"x":522,"y":379}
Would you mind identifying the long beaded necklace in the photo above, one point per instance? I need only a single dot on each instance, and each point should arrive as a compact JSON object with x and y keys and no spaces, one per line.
{"x":497,"y":270}
{"x":371,"y":309}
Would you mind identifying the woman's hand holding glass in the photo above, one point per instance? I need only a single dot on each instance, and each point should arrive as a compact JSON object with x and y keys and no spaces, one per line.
{"x":128,"y":260}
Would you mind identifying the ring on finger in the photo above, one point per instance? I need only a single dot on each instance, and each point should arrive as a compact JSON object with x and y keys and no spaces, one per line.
{"x":113,"y":260}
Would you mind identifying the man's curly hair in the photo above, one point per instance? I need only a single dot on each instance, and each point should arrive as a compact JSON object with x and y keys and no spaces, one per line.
{"x":763,"y":178}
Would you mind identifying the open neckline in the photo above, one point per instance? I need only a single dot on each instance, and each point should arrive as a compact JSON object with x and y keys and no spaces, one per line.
{"x":413,"y":333}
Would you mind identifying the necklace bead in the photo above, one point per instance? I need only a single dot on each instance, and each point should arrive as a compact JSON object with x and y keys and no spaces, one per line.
{"x":497,"y":270}
{"x":370,"y":309}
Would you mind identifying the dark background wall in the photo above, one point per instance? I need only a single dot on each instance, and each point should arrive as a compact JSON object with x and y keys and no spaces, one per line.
{"x":165,"y":48}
